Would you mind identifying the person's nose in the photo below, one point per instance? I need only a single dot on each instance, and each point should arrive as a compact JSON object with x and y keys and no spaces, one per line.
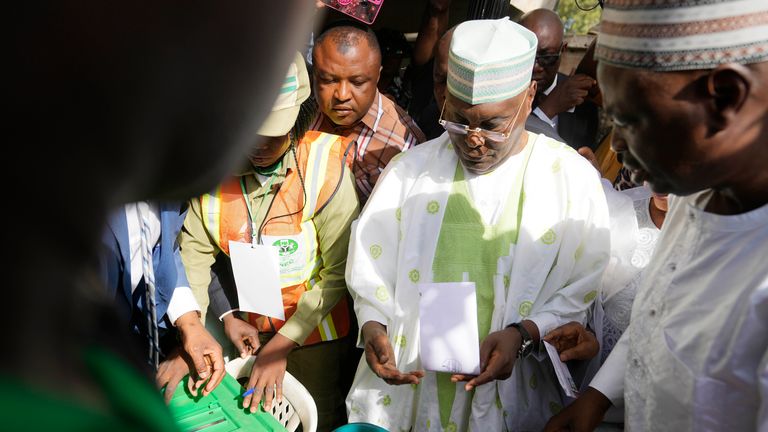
{"x":537,"y":68}
{"x":618,"y":143}
{"x":474,"y":140}
{"x":343,"y":92}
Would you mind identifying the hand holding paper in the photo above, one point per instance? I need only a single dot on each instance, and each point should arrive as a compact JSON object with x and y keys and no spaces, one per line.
{"x":573,"y":342}
{"x":449,"y":339}
{"x":562,"y":372}
{"x":498,"y":354}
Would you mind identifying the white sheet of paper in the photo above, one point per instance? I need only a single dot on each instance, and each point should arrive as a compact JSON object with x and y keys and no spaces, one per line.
{"x":448,"y":339}
{"x":257,"y":276}
{"x":562,"y":372}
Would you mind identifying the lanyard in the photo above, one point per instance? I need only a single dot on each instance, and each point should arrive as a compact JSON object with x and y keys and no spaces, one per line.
{"x":251,"y":214}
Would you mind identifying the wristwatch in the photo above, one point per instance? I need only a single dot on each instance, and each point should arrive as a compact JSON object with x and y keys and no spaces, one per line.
{"x":526,"y":347}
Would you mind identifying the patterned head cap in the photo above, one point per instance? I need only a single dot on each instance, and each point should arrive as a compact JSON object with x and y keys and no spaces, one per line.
{"x":674,"y":35}
{"x":490,"y":60}
{"x":294,"y":91}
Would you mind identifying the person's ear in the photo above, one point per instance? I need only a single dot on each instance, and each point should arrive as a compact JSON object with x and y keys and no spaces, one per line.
{"x":531,"y":95}
{"x":728,"y":88}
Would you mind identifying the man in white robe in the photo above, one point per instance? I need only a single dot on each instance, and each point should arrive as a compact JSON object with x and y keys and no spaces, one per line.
{"x":685,"y":84}
{"x":520,"y":215}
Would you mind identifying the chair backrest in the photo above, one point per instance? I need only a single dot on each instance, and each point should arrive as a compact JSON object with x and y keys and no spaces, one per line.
{"x":297,"y":407}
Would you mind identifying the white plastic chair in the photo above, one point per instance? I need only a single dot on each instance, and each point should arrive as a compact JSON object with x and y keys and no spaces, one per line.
{"x":297,"y":407}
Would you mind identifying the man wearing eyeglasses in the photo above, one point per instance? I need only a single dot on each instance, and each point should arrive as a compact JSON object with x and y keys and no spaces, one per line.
{"x":560,"y":101}
{"x":519,"y":216}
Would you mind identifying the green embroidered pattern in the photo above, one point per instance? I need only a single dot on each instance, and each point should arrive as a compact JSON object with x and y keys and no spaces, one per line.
{"x":525,"y":308}
{"x":400,"y":340}
{"x":556,"y":165}
{"x":433,"y":207}
{"x":398,"y":214}
{"x":468,"y":246}
{"x":533,"y":382}
{"x":413,"y":275}
{"x":386,"y":400}
{"x":382,"y":294}
{"x":451,"y":427}
{"x":549,"y":237}
{"x":506,"y":281}
{"x":375,"y":251}
{"x":590,"y":296}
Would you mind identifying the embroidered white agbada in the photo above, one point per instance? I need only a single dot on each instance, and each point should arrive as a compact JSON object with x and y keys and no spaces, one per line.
{"x":549,"y":275}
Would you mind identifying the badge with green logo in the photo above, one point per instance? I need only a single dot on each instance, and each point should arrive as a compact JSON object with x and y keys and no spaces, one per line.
{"x":286,"y":246}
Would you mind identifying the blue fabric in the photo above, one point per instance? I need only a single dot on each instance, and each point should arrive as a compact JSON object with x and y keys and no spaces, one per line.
{"x":169,"y":270}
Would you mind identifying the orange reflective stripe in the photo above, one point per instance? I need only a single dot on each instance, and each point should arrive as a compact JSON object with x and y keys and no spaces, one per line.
{"x":319,"y":158}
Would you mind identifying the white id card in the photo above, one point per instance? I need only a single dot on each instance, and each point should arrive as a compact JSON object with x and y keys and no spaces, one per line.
{"x":257,"y":276}
{"x":448,"y":339}
{"x":562,"y":372}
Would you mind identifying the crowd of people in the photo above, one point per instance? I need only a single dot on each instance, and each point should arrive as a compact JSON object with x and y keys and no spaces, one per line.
{"x":618,"y":213}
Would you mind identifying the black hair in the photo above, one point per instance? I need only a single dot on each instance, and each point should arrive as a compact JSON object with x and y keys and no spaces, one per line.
{"x":307,"y":113}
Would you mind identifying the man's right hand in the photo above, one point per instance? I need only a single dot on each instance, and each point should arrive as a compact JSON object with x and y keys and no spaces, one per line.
{"x":244,"y":336}
{"x":583,"y":415}
{"x":574,"y":342}
{"x":172,"y":370}
{"x":381,"y":357}
{"x":566,"y":95}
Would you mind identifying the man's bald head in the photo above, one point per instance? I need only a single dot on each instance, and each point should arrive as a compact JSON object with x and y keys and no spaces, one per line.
{"x":346,"y":37}
{"x":543,"y":20}
{"x":549,"y":31}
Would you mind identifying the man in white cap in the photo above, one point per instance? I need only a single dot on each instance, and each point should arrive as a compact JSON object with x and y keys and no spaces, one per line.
{"x":685,"y":84}
{"x":520,"y":216}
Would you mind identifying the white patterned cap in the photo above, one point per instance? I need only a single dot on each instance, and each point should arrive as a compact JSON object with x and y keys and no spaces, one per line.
{"x":673,"y":35}
{"x":490,"y":60}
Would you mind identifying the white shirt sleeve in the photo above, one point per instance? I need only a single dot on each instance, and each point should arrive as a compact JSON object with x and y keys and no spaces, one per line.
{"x":182,"y":301}
{"x":221,"y":317}
{"x":610,"y":378}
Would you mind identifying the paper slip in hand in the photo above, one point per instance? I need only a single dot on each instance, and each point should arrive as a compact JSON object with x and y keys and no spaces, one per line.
{"x":562,"y":372}
{"x":257,"y":276}
{"x":448,"y":339}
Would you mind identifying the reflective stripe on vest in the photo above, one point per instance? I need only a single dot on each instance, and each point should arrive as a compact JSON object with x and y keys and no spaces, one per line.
{"x":226,"y":219}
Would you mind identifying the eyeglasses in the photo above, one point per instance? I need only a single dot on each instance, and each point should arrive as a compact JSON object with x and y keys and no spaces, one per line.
{"x":462,"y":129}
{"x":547,"y":60}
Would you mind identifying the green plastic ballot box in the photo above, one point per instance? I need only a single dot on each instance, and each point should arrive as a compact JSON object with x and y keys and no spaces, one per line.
{"x":220,"y":411}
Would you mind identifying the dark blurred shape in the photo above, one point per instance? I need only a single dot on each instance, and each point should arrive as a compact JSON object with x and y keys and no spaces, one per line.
{"x":487,"y":9}
{"x":111,"y":103}
{"x":394,"y":49}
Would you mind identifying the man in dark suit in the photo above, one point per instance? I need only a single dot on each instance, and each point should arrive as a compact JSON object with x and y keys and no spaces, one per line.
{"x":176,"y":311}
{"x":560,"y":99}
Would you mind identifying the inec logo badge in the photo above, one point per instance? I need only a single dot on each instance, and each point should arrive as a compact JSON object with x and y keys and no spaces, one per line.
{"x":286,"y":246}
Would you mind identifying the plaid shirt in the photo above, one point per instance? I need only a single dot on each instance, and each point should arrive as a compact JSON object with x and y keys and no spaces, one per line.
{"x":384,"y":131}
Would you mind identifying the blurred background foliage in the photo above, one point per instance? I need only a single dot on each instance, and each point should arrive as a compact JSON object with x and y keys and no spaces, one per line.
{"x":576,"y":20}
